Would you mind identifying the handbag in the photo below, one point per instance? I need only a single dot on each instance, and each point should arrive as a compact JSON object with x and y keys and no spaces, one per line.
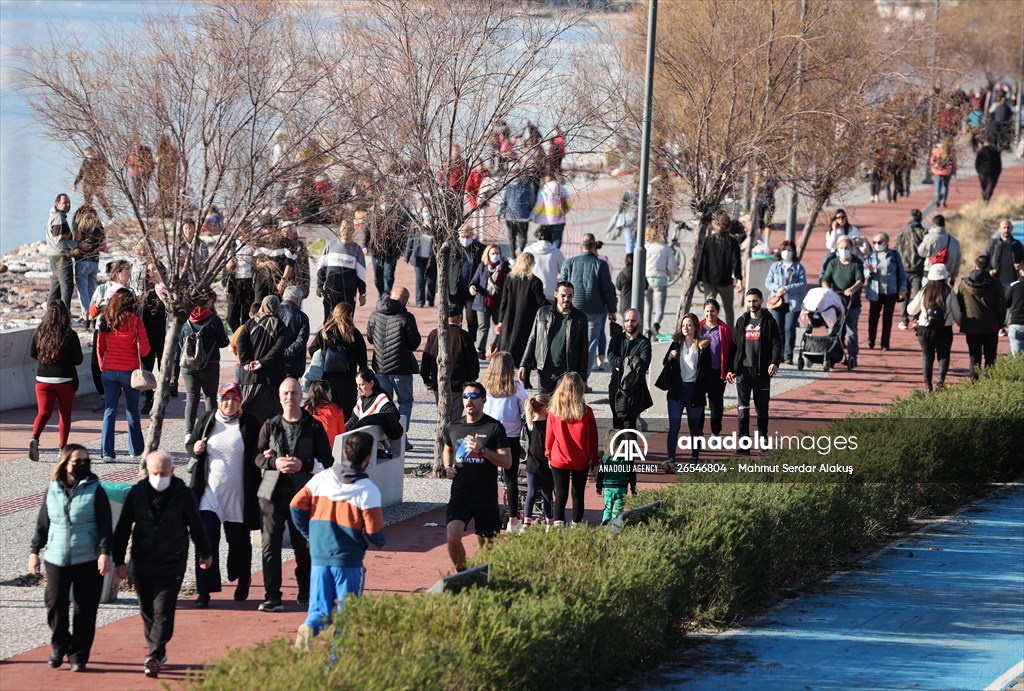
{"x":142,"y":379}
{"x":775,"y":302}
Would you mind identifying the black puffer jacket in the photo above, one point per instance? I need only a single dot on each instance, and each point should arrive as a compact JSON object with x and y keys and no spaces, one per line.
{"x":394,"y":336}
{"x":295,"y":352}
{"x":162,"y":523}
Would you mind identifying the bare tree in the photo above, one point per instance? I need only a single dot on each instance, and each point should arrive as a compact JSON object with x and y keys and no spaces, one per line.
{"x":214,"y":87}
{"x":433,"y":80}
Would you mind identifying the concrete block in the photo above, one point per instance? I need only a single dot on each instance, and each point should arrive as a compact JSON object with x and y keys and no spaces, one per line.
{"x":388,"y":474}
{"x":18,"y":371}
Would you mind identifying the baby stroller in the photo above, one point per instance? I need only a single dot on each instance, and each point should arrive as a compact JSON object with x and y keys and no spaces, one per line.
{"x":822,"y":309}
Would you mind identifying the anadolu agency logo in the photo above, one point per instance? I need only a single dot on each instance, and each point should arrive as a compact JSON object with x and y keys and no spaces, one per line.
{"x":629,"y":447}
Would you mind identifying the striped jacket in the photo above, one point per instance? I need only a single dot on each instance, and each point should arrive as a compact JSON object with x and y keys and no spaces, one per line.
{"x":552,"y":203}
{"x":337,"y":518}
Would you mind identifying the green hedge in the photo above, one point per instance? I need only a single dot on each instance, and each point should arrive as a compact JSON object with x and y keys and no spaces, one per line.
{"x":583,"y":608}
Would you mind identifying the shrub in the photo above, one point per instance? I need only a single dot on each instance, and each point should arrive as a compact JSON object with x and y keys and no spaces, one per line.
{"x":582,"y":608}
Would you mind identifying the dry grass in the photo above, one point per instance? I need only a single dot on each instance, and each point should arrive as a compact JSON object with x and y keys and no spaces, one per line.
{"x":975,"y":224}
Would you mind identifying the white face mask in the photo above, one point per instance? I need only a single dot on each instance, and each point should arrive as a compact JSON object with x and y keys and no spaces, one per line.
{"x":495,"y":257}
{"x":845,"y":255}
{"x":465,"y":242}
{"x":879,"y":246}
{"x":160,"y":482}
{"x":787,"y":255}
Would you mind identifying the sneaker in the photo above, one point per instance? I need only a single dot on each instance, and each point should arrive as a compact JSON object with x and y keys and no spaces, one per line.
{"x":302,"y":600}
{"x":185,"y":443}
{"x":527,"y":523}
{"x":514,"y":527}
{"x":56,"y":660}
{"x":902,"y":326}
{"x":33,"y":449}
{"x":77,"y":666}
{"x":108,"y":459}
{"x":152,"y":666}
{"x":271,"y":606}
{"x":557,"y":526}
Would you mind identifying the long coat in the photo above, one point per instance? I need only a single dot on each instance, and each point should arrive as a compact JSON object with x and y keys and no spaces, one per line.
{"x":520,"y":300}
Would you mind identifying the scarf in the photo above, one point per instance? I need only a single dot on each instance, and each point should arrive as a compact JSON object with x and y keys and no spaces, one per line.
{"x":495,"y":277}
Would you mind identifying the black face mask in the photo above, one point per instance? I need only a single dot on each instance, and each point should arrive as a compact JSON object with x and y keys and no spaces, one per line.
{"x":79,"y":473}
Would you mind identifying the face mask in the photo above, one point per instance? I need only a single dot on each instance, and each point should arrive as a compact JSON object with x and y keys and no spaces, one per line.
{"x":465,"y":242}
{"x":80,"y":472}
{"x":787,"y":255}
{"x":159,"y":482}
{"x":844,"y":255}
{"x":495,"y":257}
{"x":879,"y":246}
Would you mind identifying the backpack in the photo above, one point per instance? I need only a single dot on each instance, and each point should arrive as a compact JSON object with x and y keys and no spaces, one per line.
{"x":193,"y":355}
{"x":335,"y":360}
{"x":937,"y":315}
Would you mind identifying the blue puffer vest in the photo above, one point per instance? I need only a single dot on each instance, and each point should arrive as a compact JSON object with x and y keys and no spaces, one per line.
{"x":73,"y":537}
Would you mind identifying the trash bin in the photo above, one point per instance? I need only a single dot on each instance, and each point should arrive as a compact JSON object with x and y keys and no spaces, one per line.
{"x":117,"y":492}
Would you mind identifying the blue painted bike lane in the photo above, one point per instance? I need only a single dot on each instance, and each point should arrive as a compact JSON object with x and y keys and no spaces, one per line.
{"x":942,"y":608}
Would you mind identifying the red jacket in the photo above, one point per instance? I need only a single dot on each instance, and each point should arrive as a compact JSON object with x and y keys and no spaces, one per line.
{"x":333,"y":420}
{"x":725,"y":336}
{"x":572,"y":445}
{"x":117,"y":350}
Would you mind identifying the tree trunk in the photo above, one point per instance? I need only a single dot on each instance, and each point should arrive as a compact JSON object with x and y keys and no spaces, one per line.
{"x":693,"y":269}
{"x":444,"y":377}
{"x":817,"y":205}
{"x":162,"y":393}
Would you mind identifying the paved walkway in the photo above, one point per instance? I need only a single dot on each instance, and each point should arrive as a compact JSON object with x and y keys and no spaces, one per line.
{"x":416,"y":556}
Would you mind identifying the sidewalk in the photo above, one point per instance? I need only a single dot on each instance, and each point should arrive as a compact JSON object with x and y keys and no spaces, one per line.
{"x":415,"y":556}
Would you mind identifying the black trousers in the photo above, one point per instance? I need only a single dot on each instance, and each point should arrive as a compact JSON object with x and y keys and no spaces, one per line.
{"x":484,"y":321}
{"x":562,"y":479}
{"x":884,"y":306}
{"x":472,"y":321}
{"x":982,"y":345}
{"x":158,"y":600}
{"x":332,"y":297}
{"x":935,"y":344}
{"x":512,"y":477}
{"x":549,"y":380}
{"x":239,"y":554}
{"x":716,"y":402}
{"x":241,"y":294}
{"x":913,"y":288}
{"x":275,"y":517}
{"x":517,"y":231}
{"x":623,"y":422}
{"x":988,"y":186}
{"x":748,"y":382}
{"x":88,"y":583}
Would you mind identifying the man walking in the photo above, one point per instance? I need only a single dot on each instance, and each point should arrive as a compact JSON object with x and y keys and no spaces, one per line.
{"x":393,"y":333}
{"x":59,"y":243}
{"x":629,"y":353}
{"x":907,"y":241}
{"x":341,"y":272}
{"x":462,"y":362}
{"x":239,"y":277}
{"x":758,"y":353}
{"x":593,"y":292}
{"x":1004,"y":252}
{"x":939,"y":247}
{"x":983,"y":309}
{"x":558,"y":341}
{"x":721,"y":265}
{"x":474,"y":449}
{"x":291,"y":315}
{"x":160,"y":514}
{"x":289,"y":446}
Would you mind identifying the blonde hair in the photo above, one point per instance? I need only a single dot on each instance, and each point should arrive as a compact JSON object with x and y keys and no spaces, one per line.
{"x":524,"y":265}
{"x":341,"y":323}
{"x":487,"y":251}
{"x":655,"y":234}
{"x":534,"y":407}
{"x":567,"y":401}
{"x":499,"y":380}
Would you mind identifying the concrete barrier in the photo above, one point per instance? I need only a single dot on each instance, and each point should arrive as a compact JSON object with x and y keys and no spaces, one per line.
{"x":388,"y":474}
{"x":18,"y":371}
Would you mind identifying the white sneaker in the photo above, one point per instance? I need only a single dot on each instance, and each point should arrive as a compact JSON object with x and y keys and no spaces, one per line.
{"x":185,"y":443}
{"x":108,"y":459}
{"x":515,"y":527}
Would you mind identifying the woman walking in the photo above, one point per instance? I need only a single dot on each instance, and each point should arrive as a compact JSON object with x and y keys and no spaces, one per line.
{"x":553,"y":203}
{"x":522,"y":297}
{"x":121,"y":344}
{"x":57,"y":348}
{"x":261,"y":345}
{"x":943,"y":165}
{"x":487,"y":288}
{"x":686,"y":378}
{"x":719,"y":336}
{"x":786,"y":285}
{"x":344,"y":354}
{"x":661,"y":261}
{"x":886,"y":285}
{"x":506,"y":403}
{"x":937,"y":309}
{"x":75,"y":528}
{"x":201,"y":377}
{"x":570,"y":445}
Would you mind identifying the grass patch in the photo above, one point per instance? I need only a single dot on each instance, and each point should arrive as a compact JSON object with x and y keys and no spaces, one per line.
{"x":583,"y":608}
{"x":975,"y":224}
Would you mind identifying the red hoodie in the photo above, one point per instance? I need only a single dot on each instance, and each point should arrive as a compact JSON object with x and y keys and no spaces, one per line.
{"x":572,"y":445}
{"x":117,"y":350}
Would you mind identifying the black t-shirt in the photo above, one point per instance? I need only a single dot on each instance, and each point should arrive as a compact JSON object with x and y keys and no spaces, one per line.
{"x":752,"y":342}
{"x":476,"y":477}
{"x":559,"y":331}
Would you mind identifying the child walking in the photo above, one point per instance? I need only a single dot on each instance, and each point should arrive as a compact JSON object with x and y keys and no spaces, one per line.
{"x":538,"y":472}
{"x":613,"y":477}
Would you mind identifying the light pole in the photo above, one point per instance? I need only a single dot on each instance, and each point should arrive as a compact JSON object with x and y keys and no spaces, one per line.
{"x":640,"y":251}
{"x":792,"y":203}
{"x":935,"y":93}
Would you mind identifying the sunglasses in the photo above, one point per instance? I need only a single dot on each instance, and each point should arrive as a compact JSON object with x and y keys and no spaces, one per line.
{"x":471,"y":395}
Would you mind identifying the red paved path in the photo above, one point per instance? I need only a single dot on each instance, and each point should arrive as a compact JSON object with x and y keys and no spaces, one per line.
{"x":415,"y":556}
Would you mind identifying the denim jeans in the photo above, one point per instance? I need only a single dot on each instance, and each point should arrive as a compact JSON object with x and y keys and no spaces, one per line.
{"x":62,"y":280}
{"x":629,"y":236}
{"x":787,"y":327}
{"x":1016,"y":333}
{"x":384,"y":274}
{"x":426,"y":284}
{"x":400,"y":386}
{"x":852,"y":319}
{"x":675,"y":419}
{"x":941,"y":188}
{"x":557,"y":230}
{"x":114,"y":382}
{"x":595,"y":325}
{"x":85,"y":281}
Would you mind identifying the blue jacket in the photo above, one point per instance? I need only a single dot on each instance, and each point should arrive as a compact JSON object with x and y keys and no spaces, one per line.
{"x":795,"y":289}
{"x":77,"y":529}
{"x":517,"y":200}
{"x":896,"y":278}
